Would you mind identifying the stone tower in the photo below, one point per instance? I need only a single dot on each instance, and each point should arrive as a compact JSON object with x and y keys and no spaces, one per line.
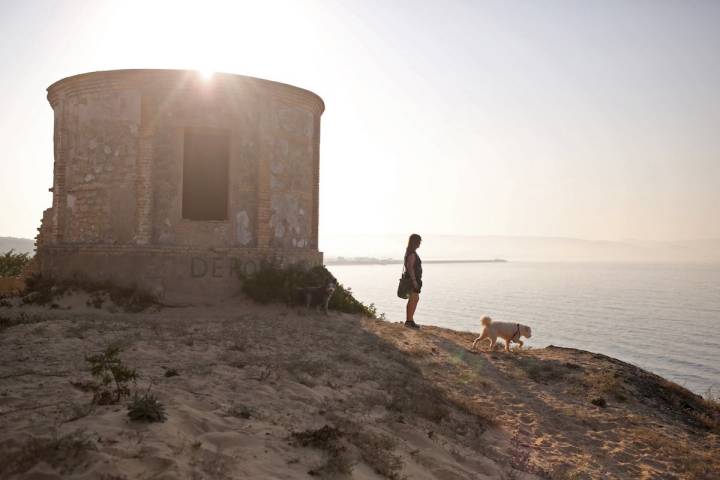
{"x":175,"y":184}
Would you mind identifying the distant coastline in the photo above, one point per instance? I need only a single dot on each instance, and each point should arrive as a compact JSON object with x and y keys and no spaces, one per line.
{"x":393,"y":261}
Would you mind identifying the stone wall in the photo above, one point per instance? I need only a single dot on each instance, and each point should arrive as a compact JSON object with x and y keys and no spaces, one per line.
{"x":101,"y":135}
{"x":118,"y":176}
{"x":175,"y":274}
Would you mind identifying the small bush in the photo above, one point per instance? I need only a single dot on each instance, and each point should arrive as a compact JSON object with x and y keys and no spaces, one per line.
{"x":96,"y":300}
{"x":131,"y":300}
{"x":12,"y":264}
{"x":240,"y":411}
{"x":273,"y":283}
{"x":146,"y":408}
{"x":113,"y":376}
{"x":41,"y":291}
{"x":344,"y":301}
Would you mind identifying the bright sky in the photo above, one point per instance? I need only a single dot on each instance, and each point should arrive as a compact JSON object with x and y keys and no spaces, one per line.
{"x":593,"y":119}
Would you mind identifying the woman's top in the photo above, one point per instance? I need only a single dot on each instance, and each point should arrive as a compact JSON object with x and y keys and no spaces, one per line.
{"x":417,"y":266}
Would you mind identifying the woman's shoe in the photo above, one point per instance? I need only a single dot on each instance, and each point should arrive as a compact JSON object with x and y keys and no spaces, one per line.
{"x":411,"y":324}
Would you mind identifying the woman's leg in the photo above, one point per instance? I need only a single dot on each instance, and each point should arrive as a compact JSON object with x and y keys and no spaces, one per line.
{"x":411,"y":306}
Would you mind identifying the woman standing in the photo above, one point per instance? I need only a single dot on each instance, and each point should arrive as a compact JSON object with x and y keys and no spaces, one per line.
{"x":413,"y":265}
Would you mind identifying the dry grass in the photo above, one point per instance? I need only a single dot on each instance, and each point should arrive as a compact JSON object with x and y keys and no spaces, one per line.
{"x":371,"y":447}
{"x":376,"y":450}
{"x":693,"y":463}
{"x":79,"y":329}
{"x":209,"y":465}
{"x":541,"y":370}
{"x":308,"y":370}
{"x":9,"y":321}
{"x":329,"y":440}
{"x":607,"y":383}
{"x":64,"y":452}
{"x":710,"y":418}
{"x":566,"y":472}
{"x":412,"y":396}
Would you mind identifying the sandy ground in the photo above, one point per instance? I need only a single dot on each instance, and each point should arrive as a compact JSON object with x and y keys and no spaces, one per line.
{"x":282,"y":393}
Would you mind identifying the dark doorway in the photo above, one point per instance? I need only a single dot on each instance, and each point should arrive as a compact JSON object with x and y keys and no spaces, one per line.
{"x":205,"y":175}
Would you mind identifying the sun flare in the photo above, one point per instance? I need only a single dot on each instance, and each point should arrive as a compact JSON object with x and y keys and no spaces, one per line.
{"x":206,"y":74}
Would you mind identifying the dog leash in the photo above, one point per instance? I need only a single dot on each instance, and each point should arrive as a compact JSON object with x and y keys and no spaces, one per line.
{"x":517,"y":334}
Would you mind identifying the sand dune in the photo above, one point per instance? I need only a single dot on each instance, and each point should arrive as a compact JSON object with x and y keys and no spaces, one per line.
{"x":275,"y":392}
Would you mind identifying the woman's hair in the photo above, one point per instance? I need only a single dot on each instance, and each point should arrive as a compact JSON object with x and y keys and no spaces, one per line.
{"x":413,"y":243}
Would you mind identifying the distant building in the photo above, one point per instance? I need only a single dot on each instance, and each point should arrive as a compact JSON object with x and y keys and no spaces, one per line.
{"x":175,"y":184}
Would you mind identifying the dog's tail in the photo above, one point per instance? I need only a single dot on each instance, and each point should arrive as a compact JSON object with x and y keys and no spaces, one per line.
{"x":486,"y":321}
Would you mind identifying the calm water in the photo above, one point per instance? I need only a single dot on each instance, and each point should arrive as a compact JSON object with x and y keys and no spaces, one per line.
{"x":664,"y":318}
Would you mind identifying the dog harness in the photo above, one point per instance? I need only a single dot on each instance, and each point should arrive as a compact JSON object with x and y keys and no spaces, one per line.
{"x":516,"y":336}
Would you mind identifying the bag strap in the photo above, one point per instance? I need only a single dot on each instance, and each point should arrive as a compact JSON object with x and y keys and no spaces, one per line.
{"x":405,"y":264}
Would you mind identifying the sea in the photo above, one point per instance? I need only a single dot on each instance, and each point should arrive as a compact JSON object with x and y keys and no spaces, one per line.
{"x":664,"y":318}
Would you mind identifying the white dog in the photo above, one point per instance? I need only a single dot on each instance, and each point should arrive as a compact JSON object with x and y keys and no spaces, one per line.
{"x":510,"y":332}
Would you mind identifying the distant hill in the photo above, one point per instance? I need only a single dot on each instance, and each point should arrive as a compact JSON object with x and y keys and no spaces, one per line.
{"x":536,"y":249}
{"x":20,"y":245}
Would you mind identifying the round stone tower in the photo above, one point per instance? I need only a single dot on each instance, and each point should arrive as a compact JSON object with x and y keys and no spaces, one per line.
{"x":174,"y":183}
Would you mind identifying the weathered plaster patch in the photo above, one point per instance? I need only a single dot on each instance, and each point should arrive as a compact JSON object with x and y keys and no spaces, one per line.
{"x":242,"y":228}
{"x":286,"y":219}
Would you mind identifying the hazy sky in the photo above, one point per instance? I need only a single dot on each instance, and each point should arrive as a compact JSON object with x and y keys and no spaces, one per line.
{"x":593,"y":119}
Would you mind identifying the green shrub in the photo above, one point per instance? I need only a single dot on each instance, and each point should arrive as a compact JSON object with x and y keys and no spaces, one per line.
{"x":146,"y":408}
{"x":344,"y":301}
{"x":273,"y":283}
{"x":112,"y":375}
{"x":41,"y":291}
{"x":12,"y":264}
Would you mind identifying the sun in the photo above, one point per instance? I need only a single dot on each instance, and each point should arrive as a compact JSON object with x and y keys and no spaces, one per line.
{"x":206,"y":74}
